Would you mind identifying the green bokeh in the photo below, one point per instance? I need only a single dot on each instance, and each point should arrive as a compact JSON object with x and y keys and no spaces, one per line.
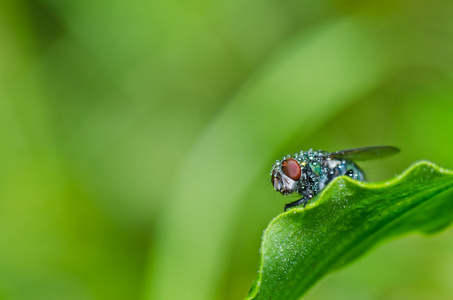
{"x":137,"y":138}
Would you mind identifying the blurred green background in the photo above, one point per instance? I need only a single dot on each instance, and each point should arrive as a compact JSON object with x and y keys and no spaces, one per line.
{"x":137,"y":138}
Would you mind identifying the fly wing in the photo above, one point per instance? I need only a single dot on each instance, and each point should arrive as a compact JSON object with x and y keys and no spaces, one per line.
{"x":365,"y":153}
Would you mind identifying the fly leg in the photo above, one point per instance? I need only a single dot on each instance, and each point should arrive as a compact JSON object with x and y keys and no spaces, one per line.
{"x":298,"y":202}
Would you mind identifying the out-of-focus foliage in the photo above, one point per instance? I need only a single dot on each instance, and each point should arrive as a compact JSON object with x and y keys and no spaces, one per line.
{"x":137,"y":137}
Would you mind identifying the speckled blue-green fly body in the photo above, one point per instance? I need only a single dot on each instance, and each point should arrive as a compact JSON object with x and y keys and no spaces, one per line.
{"x":308,"y":172}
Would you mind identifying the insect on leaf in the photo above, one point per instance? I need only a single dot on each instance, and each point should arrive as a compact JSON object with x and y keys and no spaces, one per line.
{"x":348,"y":218}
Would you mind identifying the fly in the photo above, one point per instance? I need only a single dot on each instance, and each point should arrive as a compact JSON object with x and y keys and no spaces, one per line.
{"x":308,"y":172}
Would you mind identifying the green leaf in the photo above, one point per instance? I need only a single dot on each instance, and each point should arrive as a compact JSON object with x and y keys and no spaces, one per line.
{"x":347,"y":219}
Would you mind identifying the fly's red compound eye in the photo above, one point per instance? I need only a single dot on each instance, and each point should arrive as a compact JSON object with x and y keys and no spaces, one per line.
{"x":291,"y":168}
